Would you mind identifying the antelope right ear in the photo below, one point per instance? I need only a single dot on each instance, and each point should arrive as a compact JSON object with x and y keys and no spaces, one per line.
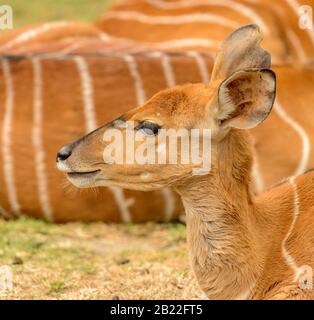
{"x":246,"y":98}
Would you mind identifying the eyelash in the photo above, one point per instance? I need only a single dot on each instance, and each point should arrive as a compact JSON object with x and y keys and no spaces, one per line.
{"x":152,"y":127}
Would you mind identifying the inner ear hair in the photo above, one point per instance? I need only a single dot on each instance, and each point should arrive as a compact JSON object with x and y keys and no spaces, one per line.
{"x":246,"y":98}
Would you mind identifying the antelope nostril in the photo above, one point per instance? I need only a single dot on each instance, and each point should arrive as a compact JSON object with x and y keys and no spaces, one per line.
{"x":64,"y":154}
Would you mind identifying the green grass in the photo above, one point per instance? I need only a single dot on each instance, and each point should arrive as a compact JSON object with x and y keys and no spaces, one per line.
{"x":43,"y":241}
{"x":177,"y":231}
{"x":37,"y":11}
{"x":56,"y":286}
{"x":23,"y":235}
{"x":81,"y":260}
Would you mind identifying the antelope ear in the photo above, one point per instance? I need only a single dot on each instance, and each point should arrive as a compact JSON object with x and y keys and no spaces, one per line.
{"x":246,"y":98}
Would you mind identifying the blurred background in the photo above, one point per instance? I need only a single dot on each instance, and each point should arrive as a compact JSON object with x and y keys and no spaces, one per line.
{"x":30,"y":12}
{"x":82,"y":259}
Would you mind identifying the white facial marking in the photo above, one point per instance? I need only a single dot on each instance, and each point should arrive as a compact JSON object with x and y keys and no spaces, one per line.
{"x":63,"y":167}
{"x":145,"y":175}
{"x":119,"y":124}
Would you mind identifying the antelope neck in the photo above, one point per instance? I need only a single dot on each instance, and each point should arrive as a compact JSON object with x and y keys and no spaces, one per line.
{"x":224,"y":237}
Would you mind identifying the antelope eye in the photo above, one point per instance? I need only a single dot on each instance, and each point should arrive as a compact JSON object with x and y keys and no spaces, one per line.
{"x":148,"y":128}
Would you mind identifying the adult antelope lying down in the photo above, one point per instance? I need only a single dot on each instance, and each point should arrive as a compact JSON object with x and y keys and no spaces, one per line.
{"x":49,"y":100}
{"x":241,"y":245}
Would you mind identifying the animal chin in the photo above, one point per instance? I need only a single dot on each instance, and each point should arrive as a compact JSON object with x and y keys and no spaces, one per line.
{"x":83,"y":179}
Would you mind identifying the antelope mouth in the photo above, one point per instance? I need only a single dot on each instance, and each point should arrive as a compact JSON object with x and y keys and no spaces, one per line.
{"x":83,"y":179}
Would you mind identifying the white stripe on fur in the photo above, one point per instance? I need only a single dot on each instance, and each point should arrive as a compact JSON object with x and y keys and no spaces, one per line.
{"x":122,"y":203}
{"x":87,"y":90}
{"x":104,"y":37}
{"x":187,"y":43}
{"x":138,"y":82}
{"x":170,"y":20}
{"x":233,"y":5}
{"x":205,"y":43}
{"x":73,"y":46}
{"x":166,"y":67}
{"x":169,"y":203}
{"x":32,"y":33}
{"x":38,"y":143}
{"x":302,"y":134}
{"x":8,"y":167}
{"x":256,"y":173}
{"x":296,"y":211}
{"x":168,"y":70}
{"x":90,"y":119}
{"x":199,"y":59}
{"x":303,"y":270}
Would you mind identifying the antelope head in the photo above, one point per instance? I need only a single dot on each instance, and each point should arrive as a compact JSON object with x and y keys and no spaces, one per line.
{"x":239,"y":96}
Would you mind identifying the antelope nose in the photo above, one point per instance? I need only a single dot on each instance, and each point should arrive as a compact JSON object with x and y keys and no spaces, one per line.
{"x":64,"y":153}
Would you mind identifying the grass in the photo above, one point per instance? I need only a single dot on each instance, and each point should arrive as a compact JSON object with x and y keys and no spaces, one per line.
{"x":56,"y":286}
{"x":37,"y":11}
{"x":83,"y":261}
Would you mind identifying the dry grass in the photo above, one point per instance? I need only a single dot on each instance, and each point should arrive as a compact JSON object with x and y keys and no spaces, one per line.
{"x":96,"y":261}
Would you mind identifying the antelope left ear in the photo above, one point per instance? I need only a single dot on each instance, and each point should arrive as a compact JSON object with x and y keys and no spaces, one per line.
{"x":246,"y":98}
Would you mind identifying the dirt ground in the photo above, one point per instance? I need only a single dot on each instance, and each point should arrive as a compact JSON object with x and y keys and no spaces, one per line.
{"x":96,"y":261}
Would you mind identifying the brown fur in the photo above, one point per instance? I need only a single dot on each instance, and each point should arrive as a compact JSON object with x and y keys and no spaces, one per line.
{"x":278,"y":146}
{"x":283,"y":39}
{"x":241,"y":246}
{"x":10,"y":42}
{"x":275,"y":159}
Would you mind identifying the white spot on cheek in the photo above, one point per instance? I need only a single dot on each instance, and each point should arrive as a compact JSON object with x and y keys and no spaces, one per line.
{"x":145,"y":175}
{"x":119,"y":124}
{"x":157,"y":114}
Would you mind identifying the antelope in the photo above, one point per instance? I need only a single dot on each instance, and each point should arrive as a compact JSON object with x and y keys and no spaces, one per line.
{"x":46,"y":33}
{"x":202,"y":24}
{"x":198,"y":25}
{"x":36,"y":98}
{"x":242,"y":246}
{"x":85,"y":87}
